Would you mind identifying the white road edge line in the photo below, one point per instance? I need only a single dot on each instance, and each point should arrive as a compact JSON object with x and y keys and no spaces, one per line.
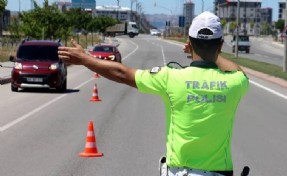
{"x":18,"y":120}
{"x":268,"y":89}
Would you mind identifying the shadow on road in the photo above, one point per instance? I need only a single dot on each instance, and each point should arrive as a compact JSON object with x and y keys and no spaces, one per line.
{"x":31,"y":90}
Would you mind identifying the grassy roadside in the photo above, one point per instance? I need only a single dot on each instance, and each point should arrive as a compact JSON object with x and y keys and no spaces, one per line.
{"x":6,"y":51}
{"x":263,"y":67}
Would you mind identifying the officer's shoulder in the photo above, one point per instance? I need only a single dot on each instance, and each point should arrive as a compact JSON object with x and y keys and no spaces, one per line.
{"x":155,"y":70}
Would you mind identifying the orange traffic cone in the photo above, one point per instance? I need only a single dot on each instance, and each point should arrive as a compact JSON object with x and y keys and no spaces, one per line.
{"x":96,"y":75}
{"x":91,"y":147}
{"x":95,"y":96}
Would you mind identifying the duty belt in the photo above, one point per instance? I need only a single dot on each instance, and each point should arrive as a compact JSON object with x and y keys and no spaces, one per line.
{"x":188,"y":172}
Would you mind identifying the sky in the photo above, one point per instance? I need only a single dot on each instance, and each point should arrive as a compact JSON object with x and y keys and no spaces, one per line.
{"x":173,"y":7}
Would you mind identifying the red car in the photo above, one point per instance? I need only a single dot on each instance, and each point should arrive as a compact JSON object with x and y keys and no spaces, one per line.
{"x":106,"y":52}
{"x":37,"y":65}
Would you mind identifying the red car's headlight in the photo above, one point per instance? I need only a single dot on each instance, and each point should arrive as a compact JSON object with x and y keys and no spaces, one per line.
{"x":18,"y":66}
{"x":98,"y":57}
{"x":112,"y":57}
{"x":54,"y":66}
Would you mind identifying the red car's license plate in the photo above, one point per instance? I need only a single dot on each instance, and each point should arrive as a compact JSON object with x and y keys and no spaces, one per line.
{"x":35,"y":79}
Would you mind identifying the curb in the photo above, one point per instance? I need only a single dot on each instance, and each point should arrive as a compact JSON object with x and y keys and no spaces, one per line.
{"x":279,"y":44}
{"x":266,"y":77}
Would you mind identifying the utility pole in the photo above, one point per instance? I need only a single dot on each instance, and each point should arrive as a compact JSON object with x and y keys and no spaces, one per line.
{"x":237,"y":28}
{"x":202,"y":6}
{"x":170,"y":21}
{"x":118,"y":10}
{"x":131,"y":12}
{"x":32,"y":4}
{"x":285,"y":41}
{"x":138,"y":12}
{"x":245,"y":20}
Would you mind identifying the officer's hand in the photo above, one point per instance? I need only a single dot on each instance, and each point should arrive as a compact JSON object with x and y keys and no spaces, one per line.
{"x":186,"y":48}
{"x":72,"y":55}
{"x":75,"y":44}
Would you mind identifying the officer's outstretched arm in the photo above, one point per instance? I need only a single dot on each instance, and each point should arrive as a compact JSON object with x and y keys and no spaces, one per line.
{"x":108,"y":69}
{"x":112,"y":70}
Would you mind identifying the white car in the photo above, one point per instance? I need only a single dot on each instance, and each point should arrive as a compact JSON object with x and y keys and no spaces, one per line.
{"x":243,"y":43}
{"x":155,"y":32}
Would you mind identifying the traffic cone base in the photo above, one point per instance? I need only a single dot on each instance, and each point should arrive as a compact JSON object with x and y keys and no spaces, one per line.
{"x":83,"y":154}
{"x":95,"y":96}
{"x":90,"y":147}
{"x":96,"y":75}
{"x":95,"y":99}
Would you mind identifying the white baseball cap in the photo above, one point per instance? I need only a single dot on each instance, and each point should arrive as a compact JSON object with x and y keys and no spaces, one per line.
{"x":205,"y":20}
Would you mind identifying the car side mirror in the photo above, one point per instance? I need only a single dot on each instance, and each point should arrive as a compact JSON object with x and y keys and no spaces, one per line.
{"x":12,"y":58}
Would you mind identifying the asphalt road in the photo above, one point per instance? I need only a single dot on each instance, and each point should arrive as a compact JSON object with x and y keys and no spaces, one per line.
{"x":43,"y":132}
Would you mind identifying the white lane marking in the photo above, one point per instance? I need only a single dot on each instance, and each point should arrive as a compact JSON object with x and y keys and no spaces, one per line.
{"x":182,"y":45}
{"x":14,"y":122}
{"x":18,"y":120}
{"x":163,"y":56}
{"x":268,"y":89}
{"x":132,"y":51}
{"x":162,"y":51}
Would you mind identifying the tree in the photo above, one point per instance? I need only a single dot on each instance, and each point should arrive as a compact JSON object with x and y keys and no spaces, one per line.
{"x":280,"y":24}
{"x":3,"y":4}
{"x":93,"y":26}
{"x":104,"y":22}
{"x":14,"y":28}
{"x":223,"y":23}
{"x":252,"y":26}
{"x":266,"y":28}
{"x":49,"y":23}
{"x":45,"y":23}
{"x":233,"y":26}
{"x":78,"y":19}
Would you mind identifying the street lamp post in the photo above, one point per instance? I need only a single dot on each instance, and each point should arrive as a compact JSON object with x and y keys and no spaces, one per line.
{"x":138,"y":12}
{"x":237,"y":28}
{"x":118,"y":9}
{"x":285,"y":42}
{"x":168,"y":28}
{"x":132,"y":2}
{"x":202,"y":6}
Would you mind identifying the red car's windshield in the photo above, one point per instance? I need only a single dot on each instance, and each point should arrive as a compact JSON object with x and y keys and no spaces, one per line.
{"x":103,"y":49}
